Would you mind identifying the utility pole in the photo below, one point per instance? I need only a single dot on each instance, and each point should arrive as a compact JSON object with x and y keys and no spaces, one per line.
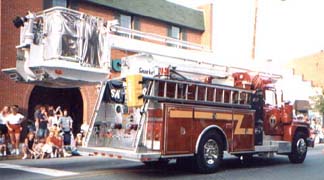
{"x":256,"y":3}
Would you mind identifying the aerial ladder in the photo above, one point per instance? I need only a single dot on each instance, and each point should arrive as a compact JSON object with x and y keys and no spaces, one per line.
{"x":168,"y":99}
{"x":61,"y":47}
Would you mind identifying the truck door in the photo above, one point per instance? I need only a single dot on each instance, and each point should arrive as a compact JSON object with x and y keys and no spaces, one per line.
{"x":243,"y":133}
{"x":272,"y":120}
{"x":178,"y":129}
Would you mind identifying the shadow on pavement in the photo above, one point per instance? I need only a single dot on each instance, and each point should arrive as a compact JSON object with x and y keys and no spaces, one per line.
{"x":173,"y":171}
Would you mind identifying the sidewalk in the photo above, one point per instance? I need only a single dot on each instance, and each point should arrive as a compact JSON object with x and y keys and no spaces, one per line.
{"x":20,"y":156}
{"x":11,"y":157}
{"x":14,"y":156}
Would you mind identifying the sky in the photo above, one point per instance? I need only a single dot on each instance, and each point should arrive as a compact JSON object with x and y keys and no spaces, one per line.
{"x":286,"y":29}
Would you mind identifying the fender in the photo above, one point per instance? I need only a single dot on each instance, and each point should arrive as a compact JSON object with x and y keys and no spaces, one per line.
{"x":207,"y":129}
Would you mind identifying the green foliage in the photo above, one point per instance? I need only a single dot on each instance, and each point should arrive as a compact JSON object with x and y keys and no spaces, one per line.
{"x":318,"y":103}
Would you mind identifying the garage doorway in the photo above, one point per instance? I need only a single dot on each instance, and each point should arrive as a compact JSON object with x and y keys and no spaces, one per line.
{"x":67,"y":98}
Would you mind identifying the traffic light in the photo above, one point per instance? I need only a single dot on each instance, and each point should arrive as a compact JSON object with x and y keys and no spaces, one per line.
{"x":134,"y":90}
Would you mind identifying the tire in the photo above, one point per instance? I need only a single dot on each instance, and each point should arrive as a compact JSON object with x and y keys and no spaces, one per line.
{"x":210,"y":153}
{"x":298,"y":148}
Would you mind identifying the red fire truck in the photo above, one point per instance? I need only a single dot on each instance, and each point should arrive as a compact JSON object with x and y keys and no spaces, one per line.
{"x":160,"y":102}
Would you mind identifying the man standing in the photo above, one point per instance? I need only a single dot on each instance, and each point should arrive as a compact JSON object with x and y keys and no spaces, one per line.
{"x":43,"y":121}
{"x":65,"y":122}
{"x":37,"y":114}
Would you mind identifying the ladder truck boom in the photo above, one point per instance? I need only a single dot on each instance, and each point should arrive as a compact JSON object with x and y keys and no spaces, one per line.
{"x":61,"y":47}
{"x":166,"y":99}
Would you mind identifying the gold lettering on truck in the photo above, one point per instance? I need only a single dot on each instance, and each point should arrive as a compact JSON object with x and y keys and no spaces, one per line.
{"x":228,"y":117}
{"x":217,"y":116}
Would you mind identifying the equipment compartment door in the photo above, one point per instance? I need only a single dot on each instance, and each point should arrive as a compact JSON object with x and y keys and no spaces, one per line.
{"x":178,"y":130}
{"x":244,"y":130}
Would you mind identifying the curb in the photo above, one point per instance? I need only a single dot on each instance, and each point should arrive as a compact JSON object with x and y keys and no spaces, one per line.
{"x":11,"y":157}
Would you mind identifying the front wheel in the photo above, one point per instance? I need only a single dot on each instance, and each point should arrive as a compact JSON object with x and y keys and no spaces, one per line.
{"x":210,"y":153}
{"x":298,"y":149}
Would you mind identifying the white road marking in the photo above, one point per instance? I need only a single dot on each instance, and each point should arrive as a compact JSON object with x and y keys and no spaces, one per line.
{"x":44,"y":171}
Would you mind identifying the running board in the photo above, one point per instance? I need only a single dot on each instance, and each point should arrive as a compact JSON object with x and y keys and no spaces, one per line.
{"x":280,"y":147}
{"x":116,"y":153}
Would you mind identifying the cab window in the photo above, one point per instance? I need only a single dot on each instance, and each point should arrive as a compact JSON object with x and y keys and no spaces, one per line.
{"x":270,"y":98}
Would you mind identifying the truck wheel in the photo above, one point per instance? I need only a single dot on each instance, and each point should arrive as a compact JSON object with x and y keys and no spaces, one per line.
{"x":210,"y":153}
{"x":298,"y":148}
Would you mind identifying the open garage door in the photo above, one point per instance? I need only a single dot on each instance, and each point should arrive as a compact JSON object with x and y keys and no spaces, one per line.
{"x":68,"y":98}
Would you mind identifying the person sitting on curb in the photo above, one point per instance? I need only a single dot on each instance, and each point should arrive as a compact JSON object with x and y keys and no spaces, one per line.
{"x":29,"y":145}
{"x":47,"y":150}
{"x":3,"y":146}
{"x":56,"y":143}
{"x":39,"y":144}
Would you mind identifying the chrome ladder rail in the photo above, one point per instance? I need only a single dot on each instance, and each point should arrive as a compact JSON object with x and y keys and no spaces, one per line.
{"x":94,"y":115}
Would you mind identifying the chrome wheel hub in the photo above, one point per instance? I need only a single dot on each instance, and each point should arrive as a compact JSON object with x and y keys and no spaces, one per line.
{"x":301,"y":146}
{"x":211,"y":151}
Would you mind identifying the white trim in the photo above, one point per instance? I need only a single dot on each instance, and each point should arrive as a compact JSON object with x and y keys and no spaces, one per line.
{"x":177,"y":155}
{"x":204,"y":131}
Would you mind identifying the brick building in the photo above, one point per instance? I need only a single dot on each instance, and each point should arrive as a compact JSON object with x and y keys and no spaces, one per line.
{"x":310,"y":67}
{"x":152,"y":16}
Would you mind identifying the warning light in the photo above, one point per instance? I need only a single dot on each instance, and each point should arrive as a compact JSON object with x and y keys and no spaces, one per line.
{"x":58,"y":71}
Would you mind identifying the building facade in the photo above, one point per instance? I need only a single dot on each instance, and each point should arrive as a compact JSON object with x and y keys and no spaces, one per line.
{"x":151,"y":16}
{"x":310,"y":67}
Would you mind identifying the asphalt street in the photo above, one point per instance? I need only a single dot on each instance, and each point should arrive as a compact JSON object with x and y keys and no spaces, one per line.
{"x":99,"y":168}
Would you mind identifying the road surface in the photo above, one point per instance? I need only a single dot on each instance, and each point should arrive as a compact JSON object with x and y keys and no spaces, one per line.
{"x":98,"y":168}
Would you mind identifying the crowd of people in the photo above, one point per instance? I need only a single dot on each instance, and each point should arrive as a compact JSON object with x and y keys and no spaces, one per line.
{"x":317,"y":131}
{"x":49,"y":134}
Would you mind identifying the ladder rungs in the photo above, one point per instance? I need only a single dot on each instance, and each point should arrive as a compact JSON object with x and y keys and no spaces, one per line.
{"x":229,"y":96}
{"x":182,"y":101}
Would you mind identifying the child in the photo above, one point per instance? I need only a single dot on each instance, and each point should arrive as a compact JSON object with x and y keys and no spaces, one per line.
{"x":28,"y":146}
{"x":55,"y":142}
{"x":78,"y":141}
{"x":55,"y":129}
{"x":3,"y":146}
{"x":47,"y":148}
{"x":39,"y":148}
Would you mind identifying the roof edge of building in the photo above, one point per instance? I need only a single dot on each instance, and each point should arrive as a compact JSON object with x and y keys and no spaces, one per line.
{"x":195,"y":22}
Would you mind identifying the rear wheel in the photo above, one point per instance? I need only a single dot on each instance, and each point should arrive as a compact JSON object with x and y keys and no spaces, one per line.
{"x":298,"y":148}
{"x":210,"y":153}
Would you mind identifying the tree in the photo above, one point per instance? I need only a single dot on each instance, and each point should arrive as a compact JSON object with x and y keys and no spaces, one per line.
{"x":318,"y":103}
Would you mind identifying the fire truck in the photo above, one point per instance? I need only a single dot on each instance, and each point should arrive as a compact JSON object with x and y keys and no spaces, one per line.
{"x":167,"y":99}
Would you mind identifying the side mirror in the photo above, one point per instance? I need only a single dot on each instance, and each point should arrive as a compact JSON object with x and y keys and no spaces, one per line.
{"x":282,"y":99}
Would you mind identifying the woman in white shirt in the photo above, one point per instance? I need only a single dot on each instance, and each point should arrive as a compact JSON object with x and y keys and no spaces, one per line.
{"x":3,"y":118}
{"x":13,"y":124}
